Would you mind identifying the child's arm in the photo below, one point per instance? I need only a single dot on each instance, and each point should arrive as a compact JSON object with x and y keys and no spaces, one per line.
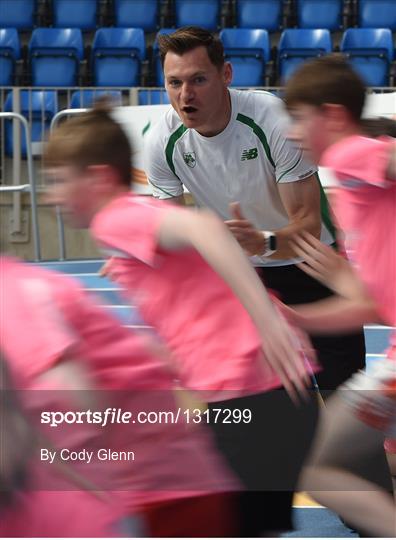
{"x":350,"y":308}
{"x":206,"y":233}
{"x":335,"y":315}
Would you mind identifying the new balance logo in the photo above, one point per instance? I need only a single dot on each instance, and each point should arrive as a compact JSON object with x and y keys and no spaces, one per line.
{"x":249,"y":154}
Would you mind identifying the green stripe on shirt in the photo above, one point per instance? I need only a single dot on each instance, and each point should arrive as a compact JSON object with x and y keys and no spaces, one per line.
{"x":291,"y":168}
{"x":325,"y":211}
{"x":171,"y":146}
{"x":259,"y":132}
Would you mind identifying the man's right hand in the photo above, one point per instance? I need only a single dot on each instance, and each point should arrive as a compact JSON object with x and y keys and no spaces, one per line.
{"x":249,"y":238}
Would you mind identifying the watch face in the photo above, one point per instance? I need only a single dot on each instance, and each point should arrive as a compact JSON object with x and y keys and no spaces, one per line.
{"x":272,"y":242}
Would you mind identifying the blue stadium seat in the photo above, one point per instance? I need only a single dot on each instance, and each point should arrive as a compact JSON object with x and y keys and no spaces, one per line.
{"x":259,"y":14}
{"x":10,"y":52}
{"x":136,"y":14}
{"x":153,"y":97}
{"x":204,"y":13}
{"x":377,"y":14}
{"x":370,"y":52}
{"x":320,"y":14}
{"x":248,"y":51}
{"x":83,"y":99}
{"x":39,"y":107}
{"x":18,"y":14}
{"x":117,"y":54}
{"x":55,"y":55}
{"x":296,"y":45}
{"x":157,"y":62}
{"x":75,"y":14}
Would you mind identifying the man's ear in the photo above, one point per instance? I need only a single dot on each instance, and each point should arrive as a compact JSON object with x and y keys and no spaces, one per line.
{"x":227,"y":73}
{"x":337,"y":117}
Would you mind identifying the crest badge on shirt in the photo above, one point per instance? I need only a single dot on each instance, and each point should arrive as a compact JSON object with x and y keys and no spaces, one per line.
{"x":189,"y":159}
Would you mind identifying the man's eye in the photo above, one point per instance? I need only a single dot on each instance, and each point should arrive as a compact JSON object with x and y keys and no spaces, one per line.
{"x":174,"y":83}
{"x":200,"y":80}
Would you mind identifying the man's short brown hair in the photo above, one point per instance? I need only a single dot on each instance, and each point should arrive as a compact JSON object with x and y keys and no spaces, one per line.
{"x":329,"y":79}
{"x":189,"y":38}
{"x":92,"y":138}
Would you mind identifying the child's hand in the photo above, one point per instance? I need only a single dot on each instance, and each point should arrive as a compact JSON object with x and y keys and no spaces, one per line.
{"x":285,"y":354}
{"x":327,"y":266}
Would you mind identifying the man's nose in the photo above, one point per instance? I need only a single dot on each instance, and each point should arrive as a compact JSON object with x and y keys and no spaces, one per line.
{"x":187,"y":93}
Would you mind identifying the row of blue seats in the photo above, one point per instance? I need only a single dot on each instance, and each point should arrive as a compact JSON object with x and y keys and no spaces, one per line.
{"x":369,"y":50}
{"x":145,"y":14}
{"x":40,"y":106}
{"x":83,"y":14}
{"x":117,"y":55}
{"x":55,"y":54}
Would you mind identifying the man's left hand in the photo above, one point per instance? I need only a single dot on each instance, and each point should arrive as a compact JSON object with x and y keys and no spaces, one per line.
{"x":249,"y":238}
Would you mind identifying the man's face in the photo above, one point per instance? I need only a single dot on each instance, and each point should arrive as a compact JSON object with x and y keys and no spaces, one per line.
{"x":309,"y":130}
{"x":197,"y":89}
{"x":69,"y":188}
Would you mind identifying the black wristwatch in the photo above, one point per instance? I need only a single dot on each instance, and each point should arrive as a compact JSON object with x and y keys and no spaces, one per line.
{"x":270,"y":243}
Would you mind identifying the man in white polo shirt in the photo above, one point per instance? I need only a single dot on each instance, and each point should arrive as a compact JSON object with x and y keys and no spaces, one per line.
{"x":229,"y":148}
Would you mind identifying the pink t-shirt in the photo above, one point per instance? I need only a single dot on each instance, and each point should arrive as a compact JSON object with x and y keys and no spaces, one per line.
{"x":217,"y":349}
{"x":55,"y":317}
{"x":54,"y":514}
{"x":59,"y":318}
{"x":365,"y":207}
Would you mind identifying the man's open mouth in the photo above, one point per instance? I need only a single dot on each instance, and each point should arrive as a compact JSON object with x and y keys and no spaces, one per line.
{"x":189,"y":110}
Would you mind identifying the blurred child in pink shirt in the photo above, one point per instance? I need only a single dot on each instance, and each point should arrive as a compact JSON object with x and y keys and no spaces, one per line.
{"x":65,"y":353}
{"x":195,"y":286}
{"x":325,"y":99}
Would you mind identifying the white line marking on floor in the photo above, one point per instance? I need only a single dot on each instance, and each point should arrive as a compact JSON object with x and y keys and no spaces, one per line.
{"x":95,"y":289}
{"x":87,"y":261}
{"x":116,"y":306}
{"x":137,"y":326}
{"x":310,"y":507}
{"x":82,"y":274}
{"x":379,"y":327}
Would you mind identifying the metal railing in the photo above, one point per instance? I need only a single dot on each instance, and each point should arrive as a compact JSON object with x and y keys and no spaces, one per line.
{"x":59,"y":220}
{"x":39,"y":113}
{"x":30,"y":187}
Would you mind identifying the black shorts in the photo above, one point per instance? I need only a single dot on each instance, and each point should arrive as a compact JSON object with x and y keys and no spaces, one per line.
{"x":340,"y":355}
{"x":267,"y":455}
